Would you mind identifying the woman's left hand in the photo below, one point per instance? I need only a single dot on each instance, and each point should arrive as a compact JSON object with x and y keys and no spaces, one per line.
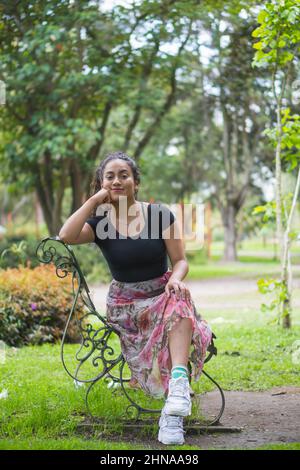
{"x":180,"y":289}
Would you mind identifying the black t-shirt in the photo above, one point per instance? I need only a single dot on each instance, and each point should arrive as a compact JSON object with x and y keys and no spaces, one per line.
{"x":139,"y":258}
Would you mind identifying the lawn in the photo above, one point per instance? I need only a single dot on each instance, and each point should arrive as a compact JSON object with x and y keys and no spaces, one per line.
{"x":254,"y":259}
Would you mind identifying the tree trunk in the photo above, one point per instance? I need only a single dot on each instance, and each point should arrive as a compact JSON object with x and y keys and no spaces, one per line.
{"x":76,"y":185}
{"x":45,"y":208}
{"x":278,"y":191}
{"x":286,"y":269}
{"x":50,"y":200}
{"x":52,"y":219}
{"x":208,"y":229}
{"x":230,"y":233}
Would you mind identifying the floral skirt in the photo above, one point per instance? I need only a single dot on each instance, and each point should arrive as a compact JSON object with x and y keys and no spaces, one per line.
{"x":143,"y":315}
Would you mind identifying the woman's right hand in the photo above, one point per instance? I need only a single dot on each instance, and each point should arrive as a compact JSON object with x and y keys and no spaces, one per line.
{"x":101,"y":197}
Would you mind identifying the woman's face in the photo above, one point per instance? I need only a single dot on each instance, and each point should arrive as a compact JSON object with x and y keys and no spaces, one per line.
{"x":118,"y":179}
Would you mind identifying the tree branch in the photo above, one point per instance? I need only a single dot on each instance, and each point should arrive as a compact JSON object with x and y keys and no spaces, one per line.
{"x":147,"y":70}
{"x":168,"y":102}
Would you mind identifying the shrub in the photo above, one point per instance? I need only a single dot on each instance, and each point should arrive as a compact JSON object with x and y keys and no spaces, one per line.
{"x":92,"y":263}
{"x":18,"y":250}
{"x":15,"y":251}
{"x":34,"y":306}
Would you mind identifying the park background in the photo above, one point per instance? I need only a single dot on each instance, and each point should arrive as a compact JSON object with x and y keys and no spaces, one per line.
{"x":204,"y":96}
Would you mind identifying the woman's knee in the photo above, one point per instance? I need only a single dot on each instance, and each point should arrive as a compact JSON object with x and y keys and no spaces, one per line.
{"x":182,"y":325}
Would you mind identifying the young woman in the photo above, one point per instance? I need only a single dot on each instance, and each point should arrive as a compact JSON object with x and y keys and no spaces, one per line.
{"x":147,"y":304}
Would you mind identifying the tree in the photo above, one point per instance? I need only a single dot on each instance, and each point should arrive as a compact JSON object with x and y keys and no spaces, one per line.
{"x":50,"y":100}
{"x":223,"y":108}
{"x":240,"y":100}
{"x":278,"y":50}
{"x":69,"y":70}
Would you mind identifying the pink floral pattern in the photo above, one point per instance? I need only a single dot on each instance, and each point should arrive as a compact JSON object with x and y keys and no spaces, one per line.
{"x":143,"y":314}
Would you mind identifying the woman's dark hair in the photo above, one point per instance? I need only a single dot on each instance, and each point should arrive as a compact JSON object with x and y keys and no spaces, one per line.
{"x":98,"y":177}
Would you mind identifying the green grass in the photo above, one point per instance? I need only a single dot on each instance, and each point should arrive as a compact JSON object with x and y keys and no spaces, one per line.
{"x":288,"y":446}
{"x":248,"y":267}
{"x":65,"y":444}
{"x":253,"y":245}
{"x":247,"y":270}
{"x":254,"y":260}
{"x":87,"y":444}
{"x":253,"y":358}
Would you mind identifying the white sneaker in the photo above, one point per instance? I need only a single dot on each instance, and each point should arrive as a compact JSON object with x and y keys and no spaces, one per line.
{"x":170,"y":429}
{"x":179,"y":401}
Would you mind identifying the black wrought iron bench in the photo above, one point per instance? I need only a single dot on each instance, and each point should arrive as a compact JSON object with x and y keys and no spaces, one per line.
{"x":96,"y":333}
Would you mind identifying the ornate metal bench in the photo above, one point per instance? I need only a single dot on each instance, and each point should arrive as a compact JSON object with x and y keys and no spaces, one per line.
{"x":95,"y":332}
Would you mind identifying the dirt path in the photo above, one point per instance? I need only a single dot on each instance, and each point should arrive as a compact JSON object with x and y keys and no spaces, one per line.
{"x":211,"y":294}
{"x":264,"y":417}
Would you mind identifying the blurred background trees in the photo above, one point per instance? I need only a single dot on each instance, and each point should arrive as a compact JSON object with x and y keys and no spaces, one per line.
{"x":171,"y":83}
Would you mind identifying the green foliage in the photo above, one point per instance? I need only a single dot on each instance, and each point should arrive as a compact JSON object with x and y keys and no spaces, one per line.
{"x":278,"y":49}
{"x":21,"y":249}
{"x":78,"y":76}
{"x":92,"y":263}
{"x":279,"y":46}
{"x":289,"y":134}
{"x":290,"y":140}
{"x":15,"y":250}
{"x":34,"y":306}
{"x":279,"y":291}
{"x":278,"y":34}
{"x":44,"y":55}
{"x":280,"y":43}
{"x":268,"y":211}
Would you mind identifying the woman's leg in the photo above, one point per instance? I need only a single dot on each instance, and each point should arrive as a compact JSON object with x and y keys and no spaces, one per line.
{"x":171,"y":426}
{"x":180,"y":338}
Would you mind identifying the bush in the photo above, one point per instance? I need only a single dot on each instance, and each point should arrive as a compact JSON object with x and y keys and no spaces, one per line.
{"x":15,"y":250}
{"x":34,"y":306}
{"x":18,"y":250}
{"x":92,"y":263}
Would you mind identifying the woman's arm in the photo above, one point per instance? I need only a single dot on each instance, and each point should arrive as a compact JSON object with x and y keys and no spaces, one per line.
{"x":175,"y":248}
{"x":75,"y":231}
